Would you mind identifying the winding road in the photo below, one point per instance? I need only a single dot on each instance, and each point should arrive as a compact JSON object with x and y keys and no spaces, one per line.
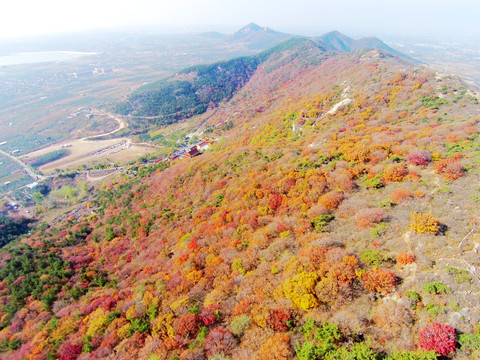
{"x":24,"y":166}
{"x":121,"y":125}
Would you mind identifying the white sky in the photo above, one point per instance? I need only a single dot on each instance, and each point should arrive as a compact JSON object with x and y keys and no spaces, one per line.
{"x":310,"y":17}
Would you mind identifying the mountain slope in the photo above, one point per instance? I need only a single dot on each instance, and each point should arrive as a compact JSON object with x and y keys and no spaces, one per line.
{"x":324,"y":222}
{"x":193,"y":90}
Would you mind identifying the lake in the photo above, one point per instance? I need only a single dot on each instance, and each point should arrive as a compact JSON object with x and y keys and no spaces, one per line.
{"x":40,"y":56}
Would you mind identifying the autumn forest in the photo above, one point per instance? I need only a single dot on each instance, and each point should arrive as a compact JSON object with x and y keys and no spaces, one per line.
{"x":334,"y":218}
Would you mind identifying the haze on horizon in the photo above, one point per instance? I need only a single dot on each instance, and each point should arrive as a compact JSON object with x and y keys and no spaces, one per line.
{"x":440,"y":18}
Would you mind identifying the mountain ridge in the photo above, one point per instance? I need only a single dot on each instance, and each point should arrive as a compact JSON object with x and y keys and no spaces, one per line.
{"x":203,"y":87}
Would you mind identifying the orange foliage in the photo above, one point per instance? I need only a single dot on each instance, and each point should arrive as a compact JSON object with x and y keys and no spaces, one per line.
{"x":396,"y":172}
{"x":405,"y":258}
{"x":276,"y":347}
{"x":449,"y":168}
{"x":331,"y":200}
{"x":400,"y":195}
{"x":419,"y":193}
{"x":380,"y":281}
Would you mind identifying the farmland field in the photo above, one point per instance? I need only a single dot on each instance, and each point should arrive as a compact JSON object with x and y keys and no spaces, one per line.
{"x":88,"y":152}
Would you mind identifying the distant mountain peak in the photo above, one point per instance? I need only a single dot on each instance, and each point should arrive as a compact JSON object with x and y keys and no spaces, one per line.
{"x":251,"y":28}
{"x":257,"y":37}
{"x":337,"y":41}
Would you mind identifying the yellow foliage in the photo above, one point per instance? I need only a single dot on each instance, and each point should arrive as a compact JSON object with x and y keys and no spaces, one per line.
{"x":436,"y":156}
{"x":194,"y":276}
{"x":176,"y":305}
{"x":65,"y":326}
{"x":424,"y":223}
{"x":264,"y":210}
{"x":293,"y":266}
{"x":162,"y":326}
{"x":213,"y":260}
{"x":147,"y":298}
{"x":96,"y":320}
{"x":259,"y":315}
{"x":355,"y":151}
{"x":131,"y":312}
{"x":237,"y":265}
{"x":215,"y":296}
{"x":301,"y":289}
{"x":122,"y":333}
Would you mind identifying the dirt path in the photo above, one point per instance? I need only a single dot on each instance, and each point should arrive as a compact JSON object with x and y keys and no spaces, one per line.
{"x":121,"y":125}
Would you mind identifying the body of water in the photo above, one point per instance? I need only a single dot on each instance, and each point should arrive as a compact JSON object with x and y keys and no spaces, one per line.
{"x":40,"y":56}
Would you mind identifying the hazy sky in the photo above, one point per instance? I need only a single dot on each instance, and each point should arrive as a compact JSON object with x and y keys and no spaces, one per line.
{"x":309,"y":17}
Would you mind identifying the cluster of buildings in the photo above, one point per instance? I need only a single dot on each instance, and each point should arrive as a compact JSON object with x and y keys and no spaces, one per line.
{"x":95,"y":71}
{"x":188,"y":152}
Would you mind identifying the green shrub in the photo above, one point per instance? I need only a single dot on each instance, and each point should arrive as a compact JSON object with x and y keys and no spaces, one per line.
{"x":461,"y":276}
{"x":320,"y":222}
{"x":436,"y":287}
{"x":413,"y":295}
{"x":199,"y":340}
{"x":320,"y":340}
{"x":375,"y":182}
{"x":379,"y":230}
{"x":359,"y":351}
{"x":240,"y":324}
{"x":433,"y":309}
{"x":415,"y":355}
{"x":372,"y":257}
{"x":469,"y":341}
{"x":386,"y":203}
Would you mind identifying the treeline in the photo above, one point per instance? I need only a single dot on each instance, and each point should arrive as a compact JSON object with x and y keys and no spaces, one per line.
{"x":171,"y":100}
{"x":49,"y":157}
{"x":10,"y":228}
{"x":168,"y":101}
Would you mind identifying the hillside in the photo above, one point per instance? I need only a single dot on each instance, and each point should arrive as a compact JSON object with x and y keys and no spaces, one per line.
{"x":193,"y":90}
{"x":334,"y":218}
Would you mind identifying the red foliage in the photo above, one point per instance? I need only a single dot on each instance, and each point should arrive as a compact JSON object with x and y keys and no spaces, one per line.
{"x":186,"y":327}
{"x":192,"y":245}
{"x":279,"y":318}
{"x":316,"y":254}
{"x":105,"y":302}
{"x":71,"y":352}
{"x":440,"y":338}
{"x":275,"y":201}
{"x":219,"y":340}
{"x":19,"y":280}
{"x":419,"y":157}
{"x":210,"y":314}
